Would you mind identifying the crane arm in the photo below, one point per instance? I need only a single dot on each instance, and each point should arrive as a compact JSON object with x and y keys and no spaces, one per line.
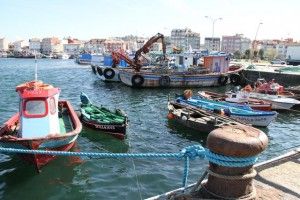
{"x":118,"y":56}
{"x":148,"y":44}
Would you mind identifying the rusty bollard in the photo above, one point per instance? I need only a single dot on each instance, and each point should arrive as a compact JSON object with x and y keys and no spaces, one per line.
{"x":233,"y":182}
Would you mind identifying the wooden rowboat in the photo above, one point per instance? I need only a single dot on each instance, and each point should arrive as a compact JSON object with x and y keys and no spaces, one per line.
{"x":197,"y":118}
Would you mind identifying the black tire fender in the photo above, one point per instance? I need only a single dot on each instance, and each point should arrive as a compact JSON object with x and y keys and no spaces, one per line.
{"x":223,"y":80}
{"x":164,"y":81}
{"x":99,"y":70}
{"x":137,"y":80}
{"x":235,"y":79}
{"x":109,"y":73}
{"x":93,"y":69}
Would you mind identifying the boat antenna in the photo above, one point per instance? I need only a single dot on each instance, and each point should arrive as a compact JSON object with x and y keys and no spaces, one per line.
{"x":35,"y":71}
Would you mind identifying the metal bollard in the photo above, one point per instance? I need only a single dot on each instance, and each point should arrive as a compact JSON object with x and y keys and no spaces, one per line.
{"x":233,"y":182}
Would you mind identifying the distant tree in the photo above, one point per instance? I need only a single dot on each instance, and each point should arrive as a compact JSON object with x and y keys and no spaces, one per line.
{"x":261,"y":54}
{"x":247,"y":54}
{"x":237,"y":55}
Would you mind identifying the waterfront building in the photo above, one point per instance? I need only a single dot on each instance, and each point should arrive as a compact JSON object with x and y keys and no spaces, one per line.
{"x":35,"y":45}
{"x":185,"y":39}
{"x":238,"y":42}
{"x":20,"y":45}
{"x":73,"y":48}
{"x":3,"y":44}
{"x":50,"y":45}
{"x":94,"y":46}
{"x":212,"y":44}
{"x":114,"y":44}
{"x":273,"y":48}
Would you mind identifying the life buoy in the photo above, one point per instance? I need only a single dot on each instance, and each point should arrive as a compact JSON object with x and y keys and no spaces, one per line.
{"x":137,"y":80}
{"x":109,"y":73}
{"x":164,"y":81}
{"x":223,"y":80}
{"x":235,"y":79}
{"x":93,"y":69}
{"x":99,"y":70}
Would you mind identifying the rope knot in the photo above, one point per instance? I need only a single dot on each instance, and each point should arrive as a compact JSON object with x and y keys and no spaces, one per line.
{"x":193,"y":151}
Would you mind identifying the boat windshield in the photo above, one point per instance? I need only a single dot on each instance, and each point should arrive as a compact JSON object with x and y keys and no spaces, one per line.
{"x":35,"y":108}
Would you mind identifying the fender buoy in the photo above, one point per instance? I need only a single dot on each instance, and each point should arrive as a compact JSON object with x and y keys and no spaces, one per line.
{"x":93,"y":69}
{"x":164,"y":81}
{"x":223,"y":80}
{"x":137,"y":80}
{"x":109,"y":73}
{"x":235,"y":79}
{"x":99,"y":70}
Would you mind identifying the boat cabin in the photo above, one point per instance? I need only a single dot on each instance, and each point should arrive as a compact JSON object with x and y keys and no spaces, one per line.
{"x":38,"y":110}
{"x":217,"y":63}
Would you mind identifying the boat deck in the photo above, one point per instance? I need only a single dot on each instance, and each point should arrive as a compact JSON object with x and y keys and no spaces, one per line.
{"x":277,"y":178}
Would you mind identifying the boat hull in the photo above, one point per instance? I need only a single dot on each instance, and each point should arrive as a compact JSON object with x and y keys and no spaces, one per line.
{"x":262,"y":121}
{"x":197,"y":119}
{"x":56,"y":142}
{"x":278,"y":102}
{"x":117,"y":131}
{"x":178,"y":79}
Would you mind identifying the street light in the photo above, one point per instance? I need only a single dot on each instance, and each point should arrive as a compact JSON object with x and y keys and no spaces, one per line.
{"x":260,"y":23}
{"x":214,"y":20}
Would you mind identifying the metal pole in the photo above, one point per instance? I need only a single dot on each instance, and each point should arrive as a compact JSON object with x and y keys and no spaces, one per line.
{"x":255,"y":40}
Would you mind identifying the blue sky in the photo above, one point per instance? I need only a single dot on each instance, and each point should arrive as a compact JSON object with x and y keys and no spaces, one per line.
{"x":23,"y":19}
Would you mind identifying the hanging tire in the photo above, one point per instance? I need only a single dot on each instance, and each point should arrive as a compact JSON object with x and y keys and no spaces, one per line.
{"x":223,"y":80}
{"x":137,"y":80}
{"x":164,"y":81}
{"x":235,"y":79}
{"x":93,"y":69}
{"x":109,"y":73}
{"x":99,"y":70}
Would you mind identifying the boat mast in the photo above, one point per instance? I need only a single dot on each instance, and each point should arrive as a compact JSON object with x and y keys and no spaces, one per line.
{"x":35,"y":71}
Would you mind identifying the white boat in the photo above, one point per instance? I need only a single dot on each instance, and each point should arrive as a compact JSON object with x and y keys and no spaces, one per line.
{"x":278,"y":102}
{"x":65,"y":56}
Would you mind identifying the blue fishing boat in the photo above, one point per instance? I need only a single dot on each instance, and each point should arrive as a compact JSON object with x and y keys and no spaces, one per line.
{"x":240,"y":112}
{"x":84,"y":59}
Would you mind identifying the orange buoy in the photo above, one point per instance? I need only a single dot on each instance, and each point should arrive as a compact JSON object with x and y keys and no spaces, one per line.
{"x":170,"y":116}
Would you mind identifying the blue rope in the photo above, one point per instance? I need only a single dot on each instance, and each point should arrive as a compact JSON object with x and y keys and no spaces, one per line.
{"x":190,"y":152}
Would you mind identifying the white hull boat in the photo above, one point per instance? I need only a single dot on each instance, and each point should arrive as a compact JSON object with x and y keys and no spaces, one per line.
{"x":278,"y":102}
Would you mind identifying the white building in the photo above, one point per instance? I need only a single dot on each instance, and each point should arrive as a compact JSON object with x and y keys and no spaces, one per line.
{"x":185,"y":38}
{"x":20,"y":45}
{"x":212,"y":44}
{"x":49,"y":45}
{"x":3,"y":44}
{"x":238,"y":42}
{"x":35,"y":45}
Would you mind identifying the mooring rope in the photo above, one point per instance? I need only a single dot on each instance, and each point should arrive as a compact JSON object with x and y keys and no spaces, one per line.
{"x":188,"y":153}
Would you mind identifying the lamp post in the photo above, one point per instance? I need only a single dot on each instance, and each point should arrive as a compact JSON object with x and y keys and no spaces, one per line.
{"x":214,"y":20}
{"x":260,"y":23}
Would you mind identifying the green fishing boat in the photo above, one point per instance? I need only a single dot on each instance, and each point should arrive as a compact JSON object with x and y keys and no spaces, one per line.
{"x":103,"y":119}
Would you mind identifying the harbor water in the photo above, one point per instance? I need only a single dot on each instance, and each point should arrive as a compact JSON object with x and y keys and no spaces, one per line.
{"x":149,"y":131}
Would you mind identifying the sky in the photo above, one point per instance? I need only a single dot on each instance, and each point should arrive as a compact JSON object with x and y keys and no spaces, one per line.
{"x":85,"y":19}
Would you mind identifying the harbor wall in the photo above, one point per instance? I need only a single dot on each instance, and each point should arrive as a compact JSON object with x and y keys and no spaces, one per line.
{"x":281,"y":78}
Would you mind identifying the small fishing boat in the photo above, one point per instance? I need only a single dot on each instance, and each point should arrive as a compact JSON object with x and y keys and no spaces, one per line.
{"x":197,"y":118}
{"x":84,"y":59}
{"x":278,"y":102}
{"x":271,"y":87}
{"x":103,"y":119}
{"x":239,"y":97}
{"x":240,"y":112}
{"x":42,"y":123}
